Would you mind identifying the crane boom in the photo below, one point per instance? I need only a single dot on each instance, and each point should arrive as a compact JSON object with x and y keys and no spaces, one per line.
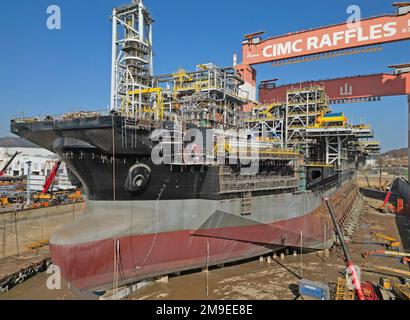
{"x":346,"y":252}
{"x":51,"y":177}
{"x":3,"y":171}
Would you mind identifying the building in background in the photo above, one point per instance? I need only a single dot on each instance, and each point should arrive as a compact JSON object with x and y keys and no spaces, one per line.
{"x":372,"y":162}
{"x":42,"y":162}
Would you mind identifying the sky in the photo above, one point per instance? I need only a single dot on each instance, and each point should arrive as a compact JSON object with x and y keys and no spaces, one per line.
{"x":57,"y":71}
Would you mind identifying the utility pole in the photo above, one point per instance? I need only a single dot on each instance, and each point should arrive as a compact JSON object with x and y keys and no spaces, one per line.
{"x":408,"y":142}
{"x":28,"y":202}
{"x":408,"y":148}
{"x":380,"y":173}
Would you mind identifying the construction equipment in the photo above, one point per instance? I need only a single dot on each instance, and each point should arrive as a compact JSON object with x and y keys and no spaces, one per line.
{"x":36,"y":246}
{"x":369,"y":291}
{"x":314,"y":290}
{"x":385,"y":283}
{"x":392,"y":244}
{"x":4,"y":200}
{"x":391,"y":208}
{"x":3,"y":171}
{"x":348,"y":259}
{"x":75,"y":196}
{"x":42,"y":200}
{"x":51,"y":177}
{"x":342,"y":291}
{"x":402,"y":291}
{"x":386,"y":199}
{"x":400,"y":206}
{"x":367,"y":254}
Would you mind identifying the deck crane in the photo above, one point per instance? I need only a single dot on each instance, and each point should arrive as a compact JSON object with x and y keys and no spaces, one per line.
{"x":51,"y":177}
{"x":3,"y":171}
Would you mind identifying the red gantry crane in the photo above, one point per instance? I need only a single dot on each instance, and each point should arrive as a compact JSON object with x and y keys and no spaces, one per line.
{"x":365,"y":88}
{"x":341,"y":40}
{"x":322,"y":42}
{"x":336,"y":40}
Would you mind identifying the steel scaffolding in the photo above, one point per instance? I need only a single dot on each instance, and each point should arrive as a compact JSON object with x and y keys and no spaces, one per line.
{"x":132,"y":55}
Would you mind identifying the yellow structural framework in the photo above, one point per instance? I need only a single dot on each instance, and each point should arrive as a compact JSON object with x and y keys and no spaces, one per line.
{"x":159,"y":110}
{"x":145,"y":91}
{"x":331,"y":120}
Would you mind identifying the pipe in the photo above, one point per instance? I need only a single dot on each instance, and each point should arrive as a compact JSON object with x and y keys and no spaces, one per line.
{"x":28,"y":201}
{"x":348,"y":259}
{"x":408,"y":148}
{"x":114,"y":60}
{"x":367,"y":254}
{"x":402,"y":272}
{"x":141,"y":21}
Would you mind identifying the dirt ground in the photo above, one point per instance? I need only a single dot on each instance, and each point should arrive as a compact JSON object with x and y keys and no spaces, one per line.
{"x":279,"y":280}
{"x":374,"y":181}
{"x":255,"y":280}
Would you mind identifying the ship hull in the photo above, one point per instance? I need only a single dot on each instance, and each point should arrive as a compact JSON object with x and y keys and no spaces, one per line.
{"x":152,"y":239}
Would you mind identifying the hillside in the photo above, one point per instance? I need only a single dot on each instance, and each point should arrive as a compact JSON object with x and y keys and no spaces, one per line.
{"x":398,"y":157}
{"x":15,"y":142}
{"x":398,"y":153}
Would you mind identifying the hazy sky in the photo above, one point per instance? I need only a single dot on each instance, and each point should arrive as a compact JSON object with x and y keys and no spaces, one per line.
{"x":44,"y":71}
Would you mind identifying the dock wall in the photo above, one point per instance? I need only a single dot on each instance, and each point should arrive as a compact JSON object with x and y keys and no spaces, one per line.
{"x":20,"y":229}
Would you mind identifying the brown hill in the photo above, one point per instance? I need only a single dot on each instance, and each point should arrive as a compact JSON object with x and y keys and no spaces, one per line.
{"x":15,"y":142}
{"x":398,"y":153}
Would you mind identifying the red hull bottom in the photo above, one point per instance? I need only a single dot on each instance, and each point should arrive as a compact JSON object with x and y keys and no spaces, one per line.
{"x":91,"y":265}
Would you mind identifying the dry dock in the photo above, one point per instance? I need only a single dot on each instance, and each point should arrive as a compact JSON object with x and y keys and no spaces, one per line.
{"x":24,"y":240}
{"x":256,"y":280}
